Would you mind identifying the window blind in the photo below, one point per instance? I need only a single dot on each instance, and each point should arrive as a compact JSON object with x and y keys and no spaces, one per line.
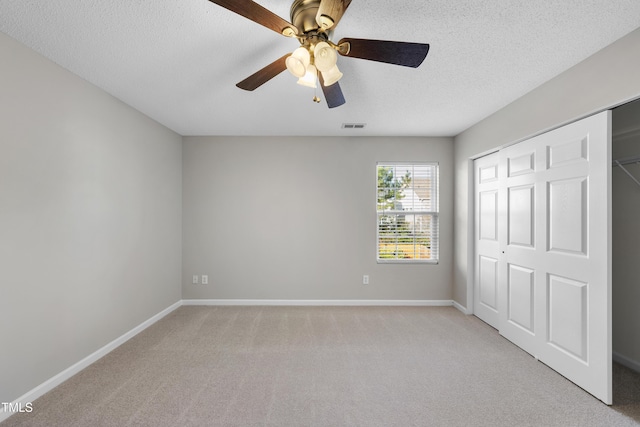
{"x":407,"y":212}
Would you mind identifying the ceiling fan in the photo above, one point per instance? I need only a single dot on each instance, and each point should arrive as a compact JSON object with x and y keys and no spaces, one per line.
{"x":312,"y":23}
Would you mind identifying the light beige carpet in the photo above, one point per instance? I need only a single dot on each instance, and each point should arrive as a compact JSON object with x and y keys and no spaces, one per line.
{"x":325,"y":366}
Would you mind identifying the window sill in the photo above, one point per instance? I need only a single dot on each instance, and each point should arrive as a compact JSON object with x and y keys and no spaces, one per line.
{"x":403,"y":261}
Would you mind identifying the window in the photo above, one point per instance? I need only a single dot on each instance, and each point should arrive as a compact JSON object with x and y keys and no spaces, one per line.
{"x":407,"y":211}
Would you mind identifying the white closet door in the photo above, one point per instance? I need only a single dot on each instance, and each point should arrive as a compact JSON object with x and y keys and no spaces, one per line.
{"x":521,"y":242}
{"x":487,"y":247}
{"x":555,"y":299}
{"x":576,"y":295}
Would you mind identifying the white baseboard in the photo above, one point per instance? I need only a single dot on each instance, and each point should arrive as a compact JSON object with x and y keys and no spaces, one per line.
{"x":626,"y":361}
{"x":53,"y":382}
{"x":274,"y":302}
{"x":461,"y":307}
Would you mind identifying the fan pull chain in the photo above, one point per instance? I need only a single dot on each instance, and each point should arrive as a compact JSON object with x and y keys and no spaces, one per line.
{"x":316,"y":99}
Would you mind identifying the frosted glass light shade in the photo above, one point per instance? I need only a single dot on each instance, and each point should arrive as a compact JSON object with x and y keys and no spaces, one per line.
{"x":332,"y":76}
{"x":310,"y":78}
{"x":325,"y":57}
{"x":298,"y":62}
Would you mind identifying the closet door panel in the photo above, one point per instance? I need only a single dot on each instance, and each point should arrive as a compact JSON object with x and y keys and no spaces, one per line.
{"x":489,"y":215}
{"x":568,"y":212}
{"x":521,"y":310}
{"x":567,"y":316}
{"x":487,"y":249}
{"x":575,"y":301}
{"x":519,"y":192}
{"x":488,"y":282}
{"x":521,"y":209}
{"x":556,"y":300}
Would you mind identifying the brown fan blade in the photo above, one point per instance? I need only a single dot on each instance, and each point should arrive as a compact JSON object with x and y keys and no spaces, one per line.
{"x":253,"y":11}
{"x":259,"y":78}
{"x":398,"y":53}
{"x":330,"y":12}
{"x":332,"y":93}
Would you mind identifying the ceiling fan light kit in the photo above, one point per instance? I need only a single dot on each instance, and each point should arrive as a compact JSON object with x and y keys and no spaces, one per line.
{"x":312,"y":23}
{"x":298,"y":62}
{"x":332,"y":76}
{"x":306,"y":61}
{"x":325,"y":56}
{"x":310,"y":77}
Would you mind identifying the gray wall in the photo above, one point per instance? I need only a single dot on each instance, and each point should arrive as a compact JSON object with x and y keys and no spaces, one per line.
{"x":626,"y":235}
{"x":294,"y":218}
{"x":90,"y":219}
{"x":605,"y":79}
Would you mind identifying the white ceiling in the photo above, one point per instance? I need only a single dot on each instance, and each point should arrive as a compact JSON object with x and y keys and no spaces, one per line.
{"x":178,"y":60}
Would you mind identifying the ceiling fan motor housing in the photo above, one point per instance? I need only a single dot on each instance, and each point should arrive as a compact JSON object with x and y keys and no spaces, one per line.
{"x":303,"y":15}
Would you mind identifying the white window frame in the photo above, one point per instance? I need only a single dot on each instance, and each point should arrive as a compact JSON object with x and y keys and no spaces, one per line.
{"x":434,"y":214}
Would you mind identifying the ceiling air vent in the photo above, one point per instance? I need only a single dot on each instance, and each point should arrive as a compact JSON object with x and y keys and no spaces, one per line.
{"x":353,"y":125}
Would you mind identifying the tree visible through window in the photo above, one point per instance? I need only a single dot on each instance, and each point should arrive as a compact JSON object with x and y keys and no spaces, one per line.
{"x":407,"y":210}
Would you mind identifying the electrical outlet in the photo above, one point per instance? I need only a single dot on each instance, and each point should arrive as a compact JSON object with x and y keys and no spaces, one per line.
{"x":365,"y":279}
{"x":205,"y":279}
{"x":195,"y":279}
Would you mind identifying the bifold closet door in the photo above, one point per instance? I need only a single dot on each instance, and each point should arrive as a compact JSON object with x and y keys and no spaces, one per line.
{"x":487,"y":246}
{"x":574,"y":293}
{"x":521,"y":243}
{"x":553,"y":262}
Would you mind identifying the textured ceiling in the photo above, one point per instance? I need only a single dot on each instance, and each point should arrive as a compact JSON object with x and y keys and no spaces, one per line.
{"x":178,"y":61}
